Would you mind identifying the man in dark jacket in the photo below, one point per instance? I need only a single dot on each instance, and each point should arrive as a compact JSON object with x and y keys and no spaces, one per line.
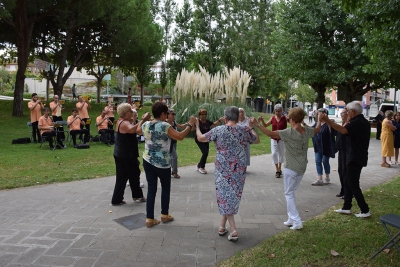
{"x":358,"y":132}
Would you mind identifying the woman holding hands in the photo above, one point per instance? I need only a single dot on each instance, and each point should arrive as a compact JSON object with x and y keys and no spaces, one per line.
{"x":230,"y":165}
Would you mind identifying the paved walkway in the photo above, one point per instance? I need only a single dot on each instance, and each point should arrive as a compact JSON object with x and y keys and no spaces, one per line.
{"x":72,"y":224}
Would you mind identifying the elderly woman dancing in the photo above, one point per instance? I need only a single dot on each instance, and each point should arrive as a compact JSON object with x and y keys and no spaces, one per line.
{"x":126,"y":155}
{"x":156,"y":163}
{"x":230,"y":165}
{"x":296,"y":145}
{"x":278,"y":122}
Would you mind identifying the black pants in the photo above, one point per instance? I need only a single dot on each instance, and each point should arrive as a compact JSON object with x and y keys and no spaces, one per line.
{"x":87,"y":126}
{"x":342,"y":168}
{"x":35,"y":131}
{"x":111,"y":126}
{"x":352,"y":188}
{"x":204,"y":148}
{"x":126,"y":169}
{"x":107,"y":135}
{"x":49,"y":137}
{"x":60,"y":129}
{"x":85,"y":133}
{"x":378,"y":130}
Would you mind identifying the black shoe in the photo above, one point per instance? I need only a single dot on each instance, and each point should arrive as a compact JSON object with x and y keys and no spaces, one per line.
{"x":339,"y":195}
{"x":34,"y":141}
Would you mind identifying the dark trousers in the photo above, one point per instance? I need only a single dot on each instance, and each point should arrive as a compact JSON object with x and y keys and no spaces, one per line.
{"x":152,"y":173}
{"x":342,"y":168}
{"x":87,"y":126}
{"x":352,"y":188}
{"x":126,"y":169}
{"x":204,"y":148}
{"x":111,"y":126}
{"x":49,"y":137}
{"x":107,"y":135}
{"x":60,"y":129}
{"x":378,"y":130}
{"x":35,"y":131}
{"x":83,"y":132}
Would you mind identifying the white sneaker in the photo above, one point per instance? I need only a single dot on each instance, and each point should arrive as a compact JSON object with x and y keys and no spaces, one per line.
{"x":296,"y":227}
{"x":203,"y":171}
{"x":327,"y":181}
{"x":343,"y":211}
{"x":127,"y":184}
{"x":318,"y":182}
{"x":363,"y":215}
{"x":141,"y":185}
{"x":288,"y":223}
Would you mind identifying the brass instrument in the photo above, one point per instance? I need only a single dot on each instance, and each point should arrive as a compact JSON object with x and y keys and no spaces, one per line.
{"x":88,"y":121}
{"x":42,"y":99}
{"x":62,"y":102}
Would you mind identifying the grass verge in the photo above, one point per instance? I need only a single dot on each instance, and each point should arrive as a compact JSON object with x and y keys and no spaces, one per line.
{"x":354,"y":239}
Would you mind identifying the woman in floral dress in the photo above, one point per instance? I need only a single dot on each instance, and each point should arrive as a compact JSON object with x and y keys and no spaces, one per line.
{"x":230,"y":165}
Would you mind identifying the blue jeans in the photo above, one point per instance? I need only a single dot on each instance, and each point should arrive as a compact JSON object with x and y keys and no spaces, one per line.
{"x":152,"y":173}
{"x":319,"y":160}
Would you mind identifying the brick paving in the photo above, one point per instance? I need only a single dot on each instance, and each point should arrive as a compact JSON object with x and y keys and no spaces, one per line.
{"x":73,"y":224}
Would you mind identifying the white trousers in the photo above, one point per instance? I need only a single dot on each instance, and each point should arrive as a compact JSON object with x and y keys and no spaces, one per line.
{"x":277,"y":151}
{"x":291,"y":181}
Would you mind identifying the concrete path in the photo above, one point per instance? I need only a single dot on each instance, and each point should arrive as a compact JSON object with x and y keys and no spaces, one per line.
{"x":72,"y":224}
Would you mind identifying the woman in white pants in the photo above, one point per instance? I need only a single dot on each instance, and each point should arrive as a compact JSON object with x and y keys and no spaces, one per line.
{"x":296,"y":145}
{"x":278,"y":122}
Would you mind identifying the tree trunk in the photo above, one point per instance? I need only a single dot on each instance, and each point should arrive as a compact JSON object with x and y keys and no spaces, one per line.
{"x":320,"y":89}
{"x":24,"y":33}
{"x":99,"y":83}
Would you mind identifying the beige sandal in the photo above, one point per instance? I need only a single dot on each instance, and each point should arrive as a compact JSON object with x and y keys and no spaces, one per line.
{"x":166,"y":218}
{"x":151,"y":222}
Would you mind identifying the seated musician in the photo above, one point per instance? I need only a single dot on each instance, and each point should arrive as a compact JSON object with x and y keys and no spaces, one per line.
{"x":46,"y":127}
{"x":74,"y":124}
{"x":102,"y":123}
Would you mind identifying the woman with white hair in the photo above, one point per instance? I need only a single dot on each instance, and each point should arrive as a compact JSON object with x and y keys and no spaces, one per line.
{"x":278,"y":122}
{"x":230,"y":165}
{"x":244,"y":121}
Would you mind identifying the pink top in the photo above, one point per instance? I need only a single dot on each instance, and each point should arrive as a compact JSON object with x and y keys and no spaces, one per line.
{"x":101,"y":125}
{"x":45,"y":123}
{"x":52,"y":106}
{"x":36,"y":112}
{"x":82,"y":110}
{"x":76,"y":125}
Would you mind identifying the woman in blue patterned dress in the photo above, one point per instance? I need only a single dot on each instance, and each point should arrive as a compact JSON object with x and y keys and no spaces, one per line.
{"x":230,"y":165}
{"x":156,"y":163}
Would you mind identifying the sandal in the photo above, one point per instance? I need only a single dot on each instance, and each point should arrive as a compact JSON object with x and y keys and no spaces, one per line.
{"x":151,"y":222}
{"x":175,"y":175}
{"x":222,"y":231}
{"x":233,"y":238}
{"x":166,"y":218}
{"x":143,"y":199}
{"x":278,"y":175}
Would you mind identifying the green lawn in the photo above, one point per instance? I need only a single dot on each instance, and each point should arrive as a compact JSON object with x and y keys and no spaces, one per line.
{"x":29,"y":164}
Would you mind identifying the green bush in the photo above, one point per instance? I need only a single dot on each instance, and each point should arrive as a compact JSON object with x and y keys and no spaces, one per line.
{"x":11,"y":93}
{"x":148,"y":104}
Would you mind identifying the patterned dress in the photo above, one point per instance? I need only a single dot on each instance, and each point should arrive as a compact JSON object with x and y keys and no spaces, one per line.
{"x":230,"y":165}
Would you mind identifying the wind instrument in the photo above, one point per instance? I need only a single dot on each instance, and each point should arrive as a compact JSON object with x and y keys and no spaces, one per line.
{"x":62,"y":102}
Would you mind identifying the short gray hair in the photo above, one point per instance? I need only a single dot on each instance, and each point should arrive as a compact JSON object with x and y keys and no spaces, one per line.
{"x":123,"y":108}
{"x":278,"y":107}
{"x":356,"y":106}
{"x":389,"y":114}
{"x":231,"y":113}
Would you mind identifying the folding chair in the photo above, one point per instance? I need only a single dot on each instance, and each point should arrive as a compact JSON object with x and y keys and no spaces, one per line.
{"x":394,"y":221}
{"x":29,"y":124}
